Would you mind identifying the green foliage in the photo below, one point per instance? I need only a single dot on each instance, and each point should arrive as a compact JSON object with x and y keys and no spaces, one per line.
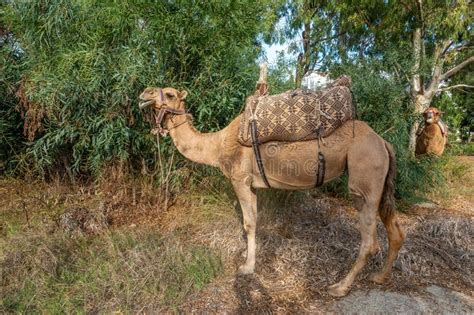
{"x":86,"y":62}
{"x":10,"y":120}
{"x":458,"y":105}
{"x":462,"y":148}
{"x":281,"y":76}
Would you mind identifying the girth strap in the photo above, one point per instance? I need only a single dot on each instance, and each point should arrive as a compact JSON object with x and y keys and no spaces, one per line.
{"x":256,"y":151}
{"x":321,"y":169}
{"x":321,"y":160}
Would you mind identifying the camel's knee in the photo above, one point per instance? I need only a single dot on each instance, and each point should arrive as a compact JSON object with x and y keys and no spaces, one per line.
{"x":358,"y":201}
{"x":370,"y":247}
{"x":249,"y":227}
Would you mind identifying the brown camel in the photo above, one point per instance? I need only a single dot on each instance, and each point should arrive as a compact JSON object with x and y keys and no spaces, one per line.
{"x":370,"y":162}
{"x":433,"y":137}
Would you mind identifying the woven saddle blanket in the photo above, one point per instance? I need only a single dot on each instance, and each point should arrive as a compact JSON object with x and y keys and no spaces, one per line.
{"x":298,"y":115}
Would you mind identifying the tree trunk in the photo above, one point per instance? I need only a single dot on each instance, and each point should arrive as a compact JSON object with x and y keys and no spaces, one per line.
{"x":421,"y":103}
{"x":416,"y":88}
{"x":413,"y":132}
{"x":304,"y":58}
{"x":342,"y":47}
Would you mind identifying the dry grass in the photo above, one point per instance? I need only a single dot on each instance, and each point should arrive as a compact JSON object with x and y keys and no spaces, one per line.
{"x":306,"y":248}
{"x":121,"y":271}
{"x":458,"y":194}
{"x":59,"y":253}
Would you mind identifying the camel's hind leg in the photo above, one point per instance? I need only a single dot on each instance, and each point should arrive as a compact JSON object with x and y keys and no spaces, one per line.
{"x":368,"y":246}
{"x":366,"y":184}
{"x":248,"y":202}
{"x":396,"y":236}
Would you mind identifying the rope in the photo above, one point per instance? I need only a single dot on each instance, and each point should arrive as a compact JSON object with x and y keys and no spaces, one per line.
{"x":354,"y":112}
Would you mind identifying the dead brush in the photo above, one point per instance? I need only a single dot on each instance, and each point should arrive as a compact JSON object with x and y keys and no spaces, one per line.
{"x":440,"y":248}
{"x":149,"y":193}
{"x":304,"y":247}
{"x":32,"y":113}
{"x":79,"y":221}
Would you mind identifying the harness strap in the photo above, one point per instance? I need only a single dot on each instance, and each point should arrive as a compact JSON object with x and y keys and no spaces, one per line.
{"x":354,"y":112}
{"x":321,"y":170}
{"x":256,"y":151}
{"x":161,"y":115}
{"x":321,"y":162}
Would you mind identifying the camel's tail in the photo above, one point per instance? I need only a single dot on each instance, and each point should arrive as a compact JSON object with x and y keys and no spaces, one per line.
{"x":387,"y":204}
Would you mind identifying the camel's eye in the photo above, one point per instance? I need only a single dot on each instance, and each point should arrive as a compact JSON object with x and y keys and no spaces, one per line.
{"x":170,"y":95}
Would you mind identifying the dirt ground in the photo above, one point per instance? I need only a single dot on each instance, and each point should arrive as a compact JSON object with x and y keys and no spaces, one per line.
{"x":307,"y":249}
{"x":312,"y":244}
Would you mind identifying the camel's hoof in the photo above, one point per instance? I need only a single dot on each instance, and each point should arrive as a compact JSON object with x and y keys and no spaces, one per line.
{"x":245,"y":270}
{"x":338,"y":290}
{"x":378,"y":278}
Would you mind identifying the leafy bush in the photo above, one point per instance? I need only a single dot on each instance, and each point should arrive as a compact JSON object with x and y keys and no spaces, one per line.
{"x":10,"y":120}
{"x":85,"y":63}
{"x":82,"y":65}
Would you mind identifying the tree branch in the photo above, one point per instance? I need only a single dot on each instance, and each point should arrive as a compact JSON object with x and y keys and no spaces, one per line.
{"x":457,"y":68}
{"x":331,"y":37}
{"x":457,"y":86}
{"x":437,"y":66}
{"x":446,"y":45}
{"x":458,"y":48}
{"x":416,"y":55}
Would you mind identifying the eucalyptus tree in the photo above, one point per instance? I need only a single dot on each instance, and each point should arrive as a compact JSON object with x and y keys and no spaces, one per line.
{"x":424,"y":43}
{"x":432,"y":42}
{"x":440,"y":47}
{"x":85,"y":62}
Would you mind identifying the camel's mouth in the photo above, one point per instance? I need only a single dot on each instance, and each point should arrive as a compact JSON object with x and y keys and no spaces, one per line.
{"x":429,"y":117}
{"x":145,"y":104}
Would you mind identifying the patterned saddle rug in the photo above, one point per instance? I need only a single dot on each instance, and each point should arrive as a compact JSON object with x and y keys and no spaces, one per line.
{"x":298,"y":115}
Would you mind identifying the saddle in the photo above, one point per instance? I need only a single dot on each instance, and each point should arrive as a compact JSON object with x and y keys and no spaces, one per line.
{"x":297,"y":115}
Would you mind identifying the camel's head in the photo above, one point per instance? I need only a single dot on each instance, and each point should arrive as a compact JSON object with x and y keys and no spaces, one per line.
{"x":162,"y":98}
{"x":432,"y":115}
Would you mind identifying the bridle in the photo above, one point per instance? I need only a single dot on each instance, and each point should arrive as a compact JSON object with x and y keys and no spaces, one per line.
{"x":164,"y":109}
{"x":163,"y":131}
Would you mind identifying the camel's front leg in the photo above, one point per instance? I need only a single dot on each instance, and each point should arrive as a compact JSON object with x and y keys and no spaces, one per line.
{"x":248,"y":202}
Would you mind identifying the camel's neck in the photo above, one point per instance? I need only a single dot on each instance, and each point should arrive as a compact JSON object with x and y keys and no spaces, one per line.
{"x":198,"y":147}
{"x":433,"y":129}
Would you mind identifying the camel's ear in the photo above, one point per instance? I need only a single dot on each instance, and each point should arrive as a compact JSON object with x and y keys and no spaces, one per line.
{"x":182,"y":95}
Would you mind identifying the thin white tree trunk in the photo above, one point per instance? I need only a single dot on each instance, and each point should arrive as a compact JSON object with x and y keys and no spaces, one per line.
{"x":416,"y":88}
{"x":421,"y":103}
